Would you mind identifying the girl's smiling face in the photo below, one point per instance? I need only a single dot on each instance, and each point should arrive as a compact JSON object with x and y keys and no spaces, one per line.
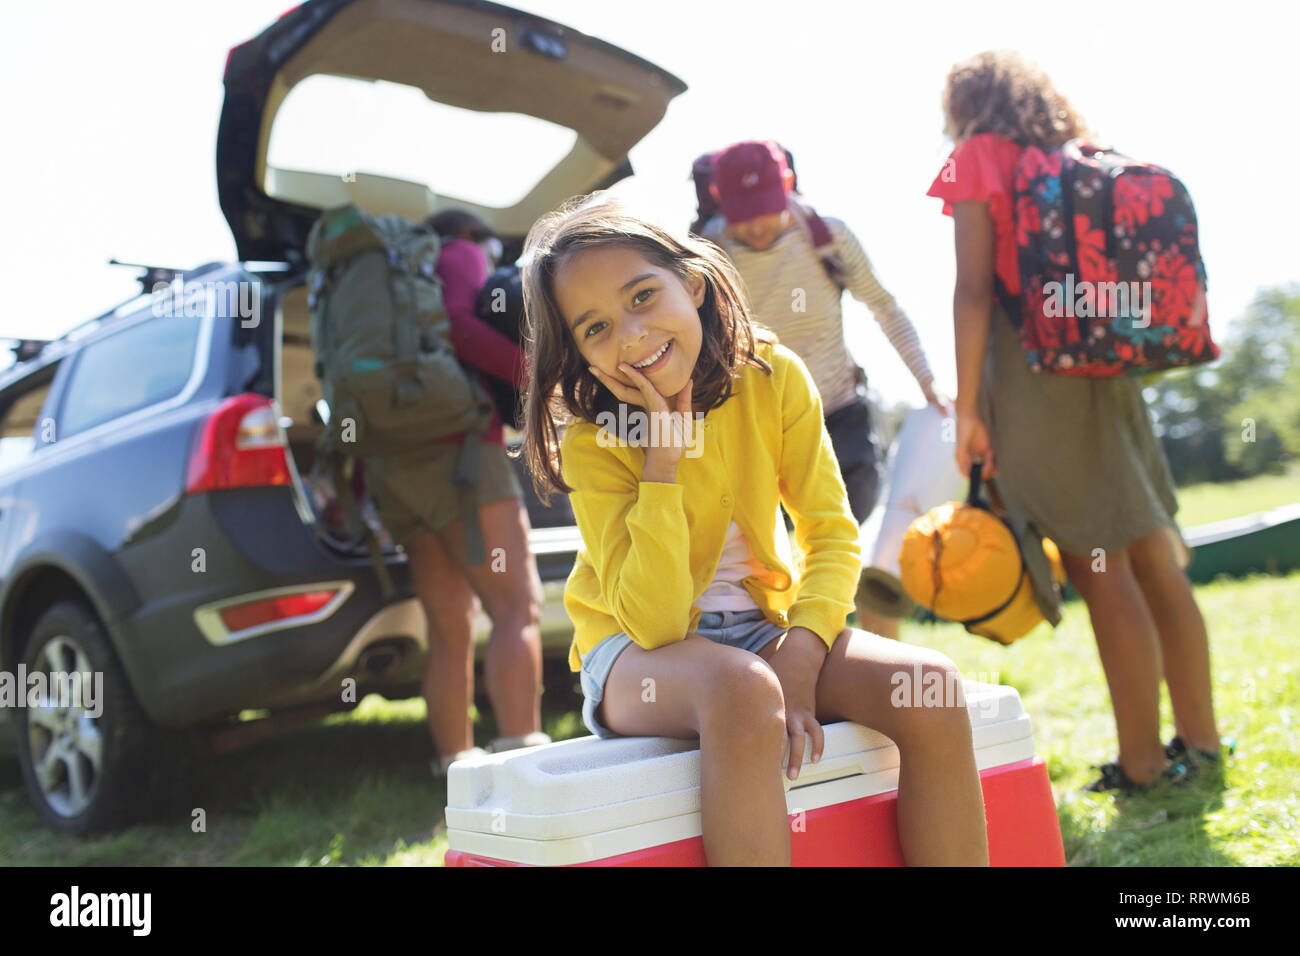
{"x":621,"y":308}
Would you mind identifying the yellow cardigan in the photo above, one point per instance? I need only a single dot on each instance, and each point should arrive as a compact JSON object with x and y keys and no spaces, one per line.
{"x":650,"y":549}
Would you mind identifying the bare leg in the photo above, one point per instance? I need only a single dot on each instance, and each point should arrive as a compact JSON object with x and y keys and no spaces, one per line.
{"x":448,"y":602}
{"x":940,"y":800}
{"x":1183,"y":640}
{"x":877,"y":623}
{"x":1128,"y":645}
{"x":511,"y":591}
{"x":732,"y":701}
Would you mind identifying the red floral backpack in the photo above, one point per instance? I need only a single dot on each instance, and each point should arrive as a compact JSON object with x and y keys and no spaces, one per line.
{"x":1112,"y":281}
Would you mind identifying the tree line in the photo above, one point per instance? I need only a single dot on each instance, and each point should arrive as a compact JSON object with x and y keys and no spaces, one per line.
{"x":1240,"y":416}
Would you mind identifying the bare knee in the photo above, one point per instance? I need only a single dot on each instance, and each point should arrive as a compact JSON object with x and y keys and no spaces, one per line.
{"x":742,"y":697}
{"x":1100,"y":574}
{"x":1154,"y":558}
{"x":518,"y":613}
{"x":449,"y":613}
{"x":513,"y":609}
{"x":930,"y":704}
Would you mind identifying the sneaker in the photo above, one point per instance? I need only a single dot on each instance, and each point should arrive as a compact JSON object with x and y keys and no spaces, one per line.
{"x":438,"y":765}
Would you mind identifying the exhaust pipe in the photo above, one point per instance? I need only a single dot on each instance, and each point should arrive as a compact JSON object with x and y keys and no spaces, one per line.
{"x":378,"y":660}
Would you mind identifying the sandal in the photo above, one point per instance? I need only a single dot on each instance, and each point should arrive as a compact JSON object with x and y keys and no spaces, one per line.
{"x":1198,"y":760}
{"x":1114,"y":779}
{"x":1178,"y":748}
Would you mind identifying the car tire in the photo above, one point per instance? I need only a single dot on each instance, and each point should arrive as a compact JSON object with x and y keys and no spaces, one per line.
{"x":84,"y":773}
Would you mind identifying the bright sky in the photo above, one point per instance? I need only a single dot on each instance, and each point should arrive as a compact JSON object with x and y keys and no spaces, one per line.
{"x":110,"y":113}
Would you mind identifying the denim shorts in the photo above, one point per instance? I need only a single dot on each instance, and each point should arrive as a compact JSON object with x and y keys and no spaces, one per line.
{"x":748,"y":630}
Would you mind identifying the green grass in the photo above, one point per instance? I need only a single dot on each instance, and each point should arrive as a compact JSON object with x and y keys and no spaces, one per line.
{"x":1253,"y":820}
{"x":355,"y":789}
{"x":1203,"y":503}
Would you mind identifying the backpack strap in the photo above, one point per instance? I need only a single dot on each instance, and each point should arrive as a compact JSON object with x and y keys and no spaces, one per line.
{"x":1020,"y":583}
{"x":1047,"y":593}
{"x":463,"y":478}
{"x":320,"y":282}
{"x":823,"y":242}
{"x":1033,"y":558}
{"x":994,"y":505}
{"x":343,"y":467}
{"x":405,"y":346}
{"x":973,"y":497}
{"x":995,"y":508}
{"x":1010,"y":303}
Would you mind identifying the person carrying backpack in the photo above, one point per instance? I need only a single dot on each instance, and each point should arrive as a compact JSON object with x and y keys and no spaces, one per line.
{"x":448,"y":497}
{"x":796,"y":266}
{"x":1075,"y":454}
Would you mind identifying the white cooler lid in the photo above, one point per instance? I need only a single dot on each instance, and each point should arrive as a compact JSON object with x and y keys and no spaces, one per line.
{"x":585,"y":793}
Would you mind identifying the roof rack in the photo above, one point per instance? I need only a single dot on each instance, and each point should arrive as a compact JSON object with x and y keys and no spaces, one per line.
{"x":27,"y":349}
{"x":23,"y":349}
{"x":152,"y":275}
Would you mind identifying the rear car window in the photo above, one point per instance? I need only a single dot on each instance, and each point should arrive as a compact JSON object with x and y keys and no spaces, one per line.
{"x":22,"y":426}
{"x":340,"y":126}
{"x":147,"y":363}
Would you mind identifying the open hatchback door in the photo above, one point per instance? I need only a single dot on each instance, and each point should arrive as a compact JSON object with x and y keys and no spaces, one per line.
{"x":410,"y":106}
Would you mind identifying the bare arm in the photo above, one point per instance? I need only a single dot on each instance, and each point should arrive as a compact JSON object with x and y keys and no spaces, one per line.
{"x":972,"y":308}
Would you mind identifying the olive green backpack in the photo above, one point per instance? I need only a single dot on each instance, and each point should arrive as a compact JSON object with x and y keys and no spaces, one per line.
{"x":383,"y":351}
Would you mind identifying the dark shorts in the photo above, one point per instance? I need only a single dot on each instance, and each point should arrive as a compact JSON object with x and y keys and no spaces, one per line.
{"x":415,"y":493}
{"x":858,"y":451}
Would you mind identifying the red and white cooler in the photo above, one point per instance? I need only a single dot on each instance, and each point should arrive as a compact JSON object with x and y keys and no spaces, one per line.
{"x":635,"y":801}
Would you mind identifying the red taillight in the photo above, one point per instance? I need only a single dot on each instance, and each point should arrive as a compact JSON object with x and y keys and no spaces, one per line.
{"x":240,"y":446}
{"x":240,"y":617}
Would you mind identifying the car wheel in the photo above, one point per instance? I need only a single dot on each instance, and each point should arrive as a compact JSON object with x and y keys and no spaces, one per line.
{"x":82,"y":743}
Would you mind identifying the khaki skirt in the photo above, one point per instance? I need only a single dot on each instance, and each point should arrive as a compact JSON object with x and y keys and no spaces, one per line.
{"x":1076,"y":457}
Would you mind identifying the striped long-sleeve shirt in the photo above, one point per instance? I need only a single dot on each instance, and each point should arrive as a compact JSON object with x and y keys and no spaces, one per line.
{"x":790,"y":293}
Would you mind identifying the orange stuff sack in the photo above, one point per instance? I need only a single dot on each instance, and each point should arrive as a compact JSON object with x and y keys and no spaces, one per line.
{"x":963,"y":562}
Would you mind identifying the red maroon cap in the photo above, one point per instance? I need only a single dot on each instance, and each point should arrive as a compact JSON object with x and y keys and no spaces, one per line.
{"x":750,"y":179}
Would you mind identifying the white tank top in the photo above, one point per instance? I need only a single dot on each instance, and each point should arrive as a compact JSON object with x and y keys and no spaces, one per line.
{"x":725,"y":592}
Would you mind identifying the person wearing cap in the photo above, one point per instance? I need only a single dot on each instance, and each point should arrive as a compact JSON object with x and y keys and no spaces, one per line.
{"x":763,"y":229}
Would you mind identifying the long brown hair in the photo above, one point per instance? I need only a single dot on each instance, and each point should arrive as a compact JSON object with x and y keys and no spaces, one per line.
{"x":999,"y":91}
{"x":560,"y":388}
